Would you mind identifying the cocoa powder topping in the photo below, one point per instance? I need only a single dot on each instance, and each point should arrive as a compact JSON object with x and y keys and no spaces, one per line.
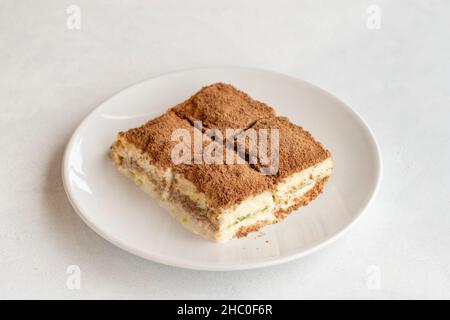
{"x":222,"y":106}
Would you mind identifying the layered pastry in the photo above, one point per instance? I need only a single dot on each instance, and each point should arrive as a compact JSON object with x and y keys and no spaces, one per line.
{"x":221,"y":199}
{"x":303,"y":167}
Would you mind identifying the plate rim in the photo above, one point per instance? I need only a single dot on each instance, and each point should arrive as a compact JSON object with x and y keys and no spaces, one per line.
{"x":208,"y":266}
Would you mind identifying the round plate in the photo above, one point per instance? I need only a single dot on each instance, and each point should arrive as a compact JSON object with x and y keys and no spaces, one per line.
{"x":118,"y":211}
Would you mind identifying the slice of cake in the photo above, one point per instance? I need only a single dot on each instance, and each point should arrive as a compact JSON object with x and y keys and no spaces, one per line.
{"x":185,"y":168}
{"x":303,"y":167}
{"x":217,"y":201}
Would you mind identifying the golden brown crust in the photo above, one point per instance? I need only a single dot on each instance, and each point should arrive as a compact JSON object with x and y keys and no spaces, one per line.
{"x":222,"y":106}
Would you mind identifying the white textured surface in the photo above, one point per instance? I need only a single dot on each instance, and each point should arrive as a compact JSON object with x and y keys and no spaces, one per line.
{"x":397,"y":78}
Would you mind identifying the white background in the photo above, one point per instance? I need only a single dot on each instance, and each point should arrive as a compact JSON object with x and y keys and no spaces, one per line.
{"x":397,"y":78}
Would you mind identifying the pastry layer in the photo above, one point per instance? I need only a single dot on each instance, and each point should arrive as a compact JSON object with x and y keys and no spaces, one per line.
{"x":185,"y":202}
{"x":190,"y":206}
{"x":227,"y":220}
{"x":224,"y":186}
{"x":218,"y":226}
{"x":213,"y":200}
{"x":148,"y":184}
{"x":297,"y":149}
{"x":251,"y":215}
{"x":280,"y":214}
{"x":288,"y":191}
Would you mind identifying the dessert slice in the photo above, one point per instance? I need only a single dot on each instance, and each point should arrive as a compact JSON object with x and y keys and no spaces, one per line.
{"x":216,"y":201}
{"x":144,"y":153}
{"x":300,"y":168}
{"x":220,"y":201}
{"x":272,"y":174}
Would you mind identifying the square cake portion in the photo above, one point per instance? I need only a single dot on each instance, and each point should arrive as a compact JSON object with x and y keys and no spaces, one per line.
{"x":216,"y":199}
{"x":303,"y":164}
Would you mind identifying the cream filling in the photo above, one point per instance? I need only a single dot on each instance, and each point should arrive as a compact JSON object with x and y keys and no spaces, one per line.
{"x":187,"y":188}
{"x":298,"y":184}
{"x":229,"y":221}
{"x":128,"y":155}
{"x":227,"y":216}
{"x":251,"y":211}
{"x":260,"y":208}
{"x":256,"y":208}
{"x":200,"y":227}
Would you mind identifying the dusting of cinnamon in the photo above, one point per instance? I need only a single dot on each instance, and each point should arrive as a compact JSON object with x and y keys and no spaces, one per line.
{"x":222,"y":106}
{"x":298,"y":150}
{"x":224,"y":185}
{"x":154,"y":137}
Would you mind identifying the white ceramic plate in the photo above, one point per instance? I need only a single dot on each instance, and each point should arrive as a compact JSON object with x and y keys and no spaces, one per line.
{"x":117,"y":210}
